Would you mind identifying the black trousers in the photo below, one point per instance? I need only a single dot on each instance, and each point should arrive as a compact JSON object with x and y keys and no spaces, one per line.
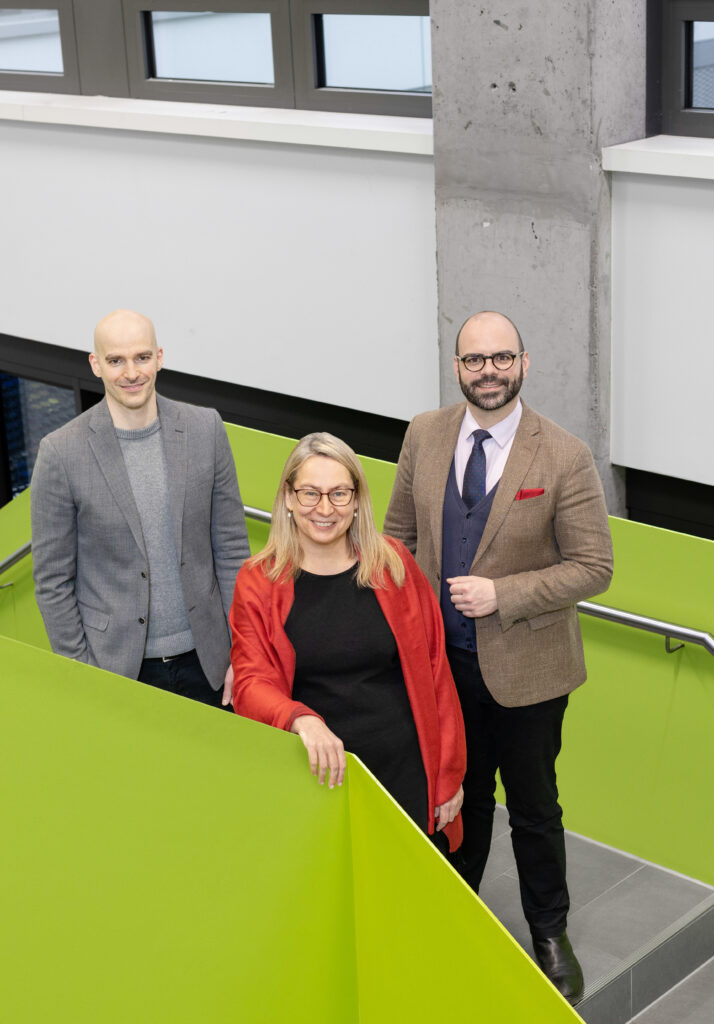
{"x":523,"y":744}
{"x":182,"y":675}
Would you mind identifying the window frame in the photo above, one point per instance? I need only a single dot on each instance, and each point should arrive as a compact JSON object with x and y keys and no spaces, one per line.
{"x":104,"y":53}
{"x":310,"y":95}
{"x":678,"y":119}
{"x":49,"y":81}
{"x":280,"y":94}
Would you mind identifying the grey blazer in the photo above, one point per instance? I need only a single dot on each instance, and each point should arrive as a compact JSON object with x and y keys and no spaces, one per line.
{"x":90,"y":565}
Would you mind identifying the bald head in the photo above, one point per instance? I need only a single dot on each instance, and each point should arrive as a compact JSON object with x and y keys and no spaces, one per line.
{"x":488,"y":322}
{"x":127,"y":359}
{"x":126,"y":326}
{"x":490,"y":366}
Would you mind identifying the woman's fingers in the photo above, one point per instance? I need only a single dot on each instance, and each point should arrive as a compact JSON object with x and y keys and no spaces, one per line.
{"x":446,"y":812}
{"x":323,"y":756}
{"x":332,"y":760}
{"x":312,"y":755}
{"x":325,"y":751}
{"x":341,"y":766}
{"x":457,"y":800}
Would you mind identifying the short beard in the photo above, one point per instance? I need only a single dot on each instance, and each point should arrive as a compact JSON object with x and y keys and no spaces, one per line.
{"x":490,"y":401}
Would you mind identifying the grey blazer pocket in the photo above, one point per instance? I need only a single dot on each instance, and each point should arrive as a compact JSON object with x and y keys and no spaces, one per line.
{"x":93,"y":617}
{"x":547,"y":618}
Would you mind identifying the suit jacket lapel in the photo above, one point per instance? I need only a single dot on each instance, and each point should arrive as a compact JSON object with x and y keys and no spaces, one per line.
{"x":173,"y":431}
{"x":525,"y":445}
{"x":442,"y":457}
{"x":107,"y":451}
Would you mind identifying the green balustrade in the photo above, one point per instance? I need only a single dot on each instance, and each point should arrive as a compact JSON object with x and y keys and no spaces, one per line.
{"x":163,"y":862}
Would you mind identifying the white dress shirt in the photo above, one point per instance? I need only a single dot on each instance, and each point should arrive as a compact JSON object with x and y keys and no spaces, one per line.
{"x":496,"y":447}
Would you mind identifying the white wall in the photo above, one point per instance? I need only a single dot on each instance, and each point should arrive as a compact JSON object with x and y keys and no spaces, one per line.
{"x":662,"y":333}
{"x":304,"y":270}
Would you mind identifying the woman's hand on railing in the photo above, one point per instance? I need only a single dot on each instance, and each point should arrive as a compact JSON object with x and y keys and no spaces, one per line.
{"x":445,"y":813}
{"x":325,"y":751}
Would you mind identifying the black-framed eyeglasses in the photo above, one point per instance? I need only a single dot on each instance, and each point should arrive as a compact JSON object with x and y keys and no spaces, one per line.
{"x":500,"y":360}
{"x":309,"y":497}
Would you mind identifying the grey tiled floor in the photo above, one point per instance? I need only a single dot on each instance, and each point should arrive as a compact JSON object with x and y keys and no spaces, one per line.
{"x":691,"y":1002}
{"x":618,"y":903}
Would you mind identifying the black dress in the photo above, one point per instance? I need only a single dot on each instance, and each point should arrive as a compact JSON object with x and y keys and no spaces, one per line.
{"x":347,"y":669}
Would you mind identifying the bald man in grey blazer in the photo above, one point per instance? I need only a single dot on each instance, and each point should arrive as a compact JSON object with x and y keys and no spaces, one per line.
{"x":138,"y":529}
{"x":505,"y":513}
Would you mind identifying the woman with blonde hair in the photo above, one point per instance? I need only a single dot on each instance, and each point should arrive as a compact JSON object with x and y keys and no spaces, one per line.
{"x":338,"y":637}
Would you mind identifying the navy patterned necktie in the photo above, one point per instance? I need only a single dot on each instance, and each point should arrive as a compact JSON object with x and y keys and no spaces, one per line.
{"x":474,"y":488}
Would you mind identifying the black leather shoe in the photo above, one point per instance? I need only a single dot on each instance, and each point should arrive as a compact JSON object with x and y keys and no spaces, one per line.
{"x":559,"y":963}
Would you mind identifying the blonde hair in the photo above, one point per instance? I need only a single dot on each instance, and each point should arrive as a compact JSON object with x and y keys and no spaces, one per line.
{"x":282,"y":555}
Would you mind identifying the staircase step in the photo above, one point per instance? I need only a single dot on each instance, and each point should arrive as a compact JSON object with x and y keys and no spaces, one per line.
{"x":653,"y":970}
{"x":637,"y":928}
{"x":691,"y":1002}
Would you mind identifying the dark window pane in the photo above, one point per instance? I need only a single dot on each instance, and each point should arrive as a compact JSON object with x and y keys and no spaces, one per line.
{"x":384,"y":52}
{"x":209,"y":47}
{"x":30,"y":40}
{"x":703,"y":65}
{"x":29,"y":410}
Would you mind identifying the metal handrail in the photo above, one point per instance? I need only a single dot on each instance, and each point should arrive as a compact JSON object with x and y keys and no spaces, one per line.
{"x":15,"y":557}
{"x":258,"y":513}
{"x":669,"y":630}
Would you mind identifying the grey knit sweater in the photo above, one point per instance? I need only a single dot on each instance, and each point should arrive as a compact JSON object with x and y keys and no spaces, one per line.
{"x":169,"y":631}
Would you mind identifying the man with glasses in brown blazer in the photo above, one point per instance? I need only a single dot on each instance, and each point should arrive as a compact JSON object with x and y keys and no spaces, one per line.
{"x":505,"y":513}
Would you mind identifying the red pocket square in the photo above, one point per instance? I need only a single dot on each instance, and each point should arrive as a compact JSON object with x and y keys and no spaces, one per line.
{"x":533,"y":492}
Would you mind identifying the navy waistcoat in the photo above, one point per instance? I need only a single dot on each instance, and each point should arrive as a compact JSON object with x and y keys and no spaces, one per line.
{"x":462,"y":531}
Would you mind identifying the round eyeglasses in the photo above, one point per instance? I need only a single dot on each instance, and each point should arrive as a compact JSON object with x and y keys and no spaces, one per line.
{"x":309,"y":497}
{"x":499,"y":360}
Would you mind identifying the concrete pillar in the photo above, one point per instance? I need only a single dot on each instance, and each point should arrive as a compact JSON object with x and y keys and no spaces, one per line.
{"x":525,"y":97}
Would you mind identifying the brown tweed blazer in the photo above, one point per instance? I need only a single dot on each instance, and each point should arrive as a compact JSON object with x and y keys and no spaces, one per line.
{"x":543,"y":553}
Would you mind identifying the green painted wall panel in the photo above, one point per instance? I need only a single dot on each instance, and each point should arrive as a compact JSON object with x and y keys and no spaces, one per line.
{"x":163,"y":861}
{"x":15,"y":524}
{"x":637,"y":768}
{"x":259,"y":459}
{"x":427,"y":948}
{"x":19,"y":615}
{"x":166,"y":862}
{"x":663,"y":574}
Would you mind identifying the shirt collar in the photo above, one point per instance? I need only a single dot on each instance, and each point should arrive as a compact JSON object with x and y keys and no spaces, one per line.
{"x":502,"y":432}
